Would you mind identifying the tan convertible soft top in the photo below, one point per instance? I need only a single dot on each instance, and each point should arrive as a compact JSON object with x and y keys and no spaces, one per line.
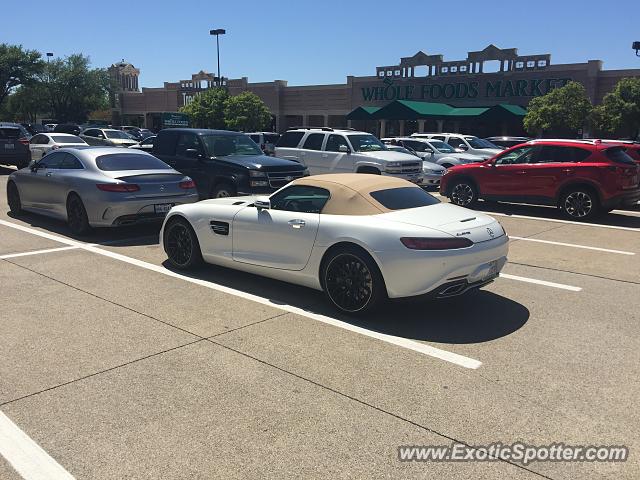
{"x":351,"y":192}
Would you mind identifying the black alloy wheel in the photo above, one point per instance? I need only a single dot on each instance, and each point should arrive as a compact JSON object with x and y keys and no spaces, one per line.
{"x":181,"y":245}
{"x":77,"y":217}
{"x":13,"y":198}
{"x":463,"y":194}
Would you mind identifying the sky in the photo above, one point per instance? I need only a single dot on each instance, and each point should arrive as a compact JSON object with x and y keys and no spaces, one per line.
{"x":311,"y":43}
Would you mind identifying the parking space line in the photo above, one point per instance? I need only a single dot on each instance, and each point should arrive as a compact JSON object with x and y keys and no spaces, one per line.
{"x":573,"y":245}
{"x":418,"y":347}
{"x":561,"y":286}
{"x":568,"y":222}
{"x":37,"y":252}
{"x":26,"y":456}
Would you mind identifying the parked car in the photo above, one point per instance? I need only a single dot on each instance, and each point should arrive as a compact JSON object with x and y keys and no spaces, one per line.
{"x":33,"y":128}
{"x":50,"y":126}
{"x":99,"y":187}
{"x":435,"y":151}
{"x":43,"y":143}
{"x":71,"y":128}
{"x":266,"y":140}
{"x":14,"y":145}
{"x":222,"y":163}
{"x":359,"y":238}
{"x":631,"y":148}
{"x":507,"y":142}
{"x":107,"y":137}
{"x":582,"y":178}
{"x":146,"y":133}
{"x":465,"y":143}
{"x":146,"y":144}
{"x":328,"y":150}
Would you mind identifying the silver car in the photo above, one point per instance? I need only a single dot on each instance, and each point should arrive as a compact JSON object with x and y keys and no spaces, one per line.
{"x":99,"y":187}
{"x":108,"y":137}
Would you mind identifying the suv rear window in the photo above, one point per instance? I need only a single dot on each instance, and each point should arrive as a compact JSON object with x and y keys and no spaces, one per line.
{"x":290,"y":139}
{"x":9,"y":132}
{"x":617,"y":154}
{"x":129,"y":161}
{"x":404,"y":197}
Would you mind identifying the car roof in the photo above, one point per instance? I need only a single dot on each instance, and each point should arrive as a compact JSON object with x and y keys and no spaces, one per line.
{"x":567,"y":142}
{"x":200,"y":131}
{"x":347,"y":131}
{"x":93,"y":151}
{"x":58,"y":134}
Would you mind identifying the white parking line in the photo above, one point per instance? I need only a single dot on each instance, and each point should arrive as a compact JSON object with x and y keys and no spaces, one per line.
{"x":26,"y":456}
{"x":569,"y":222}
{"x":599,"y":249}
{"x":37,"y":252}
{"x":562,"y":286}
{"x":425,"y":349}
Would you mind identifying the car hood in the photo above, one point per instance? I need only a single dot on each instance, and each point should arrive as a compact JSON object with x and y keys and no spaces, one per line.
{"x":259,"y":161}
{"x":390,"y":156}
{"x":450,"y":219}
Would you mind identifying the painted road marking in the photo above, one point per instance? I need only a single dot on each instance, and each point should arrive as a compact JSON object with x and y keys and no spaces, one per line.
{"x":568,"y":222}
{"x":607,"y":250}
{"x":26,"y":456}
{"x":37,"y":252}
{"x":541,"y":282}
{"x":425,"y":349}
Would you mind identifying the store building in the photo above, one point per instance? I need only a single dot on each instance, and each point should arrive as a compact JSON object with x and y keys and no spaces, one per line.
{"x":485,"y":94}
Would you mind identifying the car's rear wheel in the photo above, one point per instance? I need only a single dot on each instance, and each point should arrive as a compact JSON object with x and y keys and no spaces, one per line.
{"x":23,"y":162}
{"x":580,"y":204}
{"x":223,"y":190}
{"x":181,"y":244}
{"x":352,"y":281}
{"x":13,"y":198}
{"x":463,"y":193}
{"x":77,"y":218}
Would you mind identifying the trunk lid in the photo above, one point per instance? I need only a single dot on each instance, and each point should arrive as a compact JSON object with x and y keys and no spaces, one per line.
{"x":152,"y":183}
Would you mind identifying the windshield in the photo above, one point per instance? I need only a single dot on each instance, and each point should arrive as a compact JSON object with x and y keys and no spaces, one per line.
{"x":366,"y":143}
{"x":396,"y":148}
{"x":224,"y":145}
{"x":271,"y":138}
{"x":442,"y":147}
{"x":476,"y":142}
{"x":117,"y":134}
{"x":130,"y":161}
{"x":65,"y":139}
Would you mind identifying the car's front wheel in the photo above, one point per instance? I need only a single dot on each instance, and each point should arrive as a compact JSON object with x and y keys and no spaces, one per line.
{"x":13,"y":198}
{"x":77,"y":217}
{"x":463,"y":193}
{"x":580,"y":204}
{"x":352,"y":281}
{"x":181,"y":244}
{"x":223,"y":190}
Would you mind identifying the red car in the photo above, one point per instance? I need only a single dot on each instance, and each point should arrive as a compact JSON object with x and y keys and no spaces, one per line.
{"x":581,"y":177}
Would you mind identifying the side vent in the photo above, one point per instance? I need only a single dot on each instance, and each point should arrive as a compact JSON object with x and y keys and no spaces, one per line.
{"x":220,"y":228}
{"x":241,"y":202}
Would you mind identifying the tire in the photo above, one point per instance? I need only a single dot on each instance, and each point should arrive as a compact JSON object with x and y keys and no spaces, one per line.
{"x":463,"y":193}
{"x":181,"y":245}
{"x":13,"y":198}
{"x":223,"y":190}
{"x":580,"y":204}
{"x":352,"y":281}
{"x":77,"y":218}
{"x":23,"y":163}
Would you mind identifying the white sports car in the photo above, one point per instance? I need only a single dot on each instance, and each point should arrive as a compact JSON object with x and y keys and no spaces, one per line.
{"x":359,"y":238}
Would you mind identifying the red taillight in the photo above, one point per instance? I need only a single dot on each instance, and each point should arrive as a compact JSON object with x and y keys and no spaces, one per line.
{"x":421,"y":243}
{"x":24,"y":141}
{"x":118,"y":187}
{"x":187,"y":184}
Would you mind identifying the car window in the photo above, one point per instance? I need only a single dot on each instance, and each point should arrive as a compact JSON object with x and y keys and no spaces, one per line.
{"x":403,"y":197}
{"x":455,"y":142}
{"x":255,"y":138}
{"x":129,"y":161}
{"x":225,"y":145}
{"x":517,"y":156}
{"x":417,"y":146}
{"x":40,"y":140}
{"x":617,"y":154}
{"x":553,"y":154}
{"x":366,"y":143}
{"x":480,"y":143}
{"x":91,"y":133}
{"x":66,"y":139}
{"x":334,"y":142}
{"x":271,"y":138}
{"x":148,"y":141}
{"x":10,"y":133}
{"x":290,"y":139}
{"x":69,"y":162}
{"x":300,"y":198}
{"x":439,"y":137}
{"x":188,"y":141}
{"x":117,"y":134}
{"x":441,"y":146}
{"x":165,"y":143}
{"x":314,"y":141}
{"x":52,"y":161}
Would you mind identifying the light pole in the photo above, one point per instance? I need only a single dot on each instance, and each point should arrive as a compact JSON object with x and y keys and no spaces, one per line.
{"x":217,"y":32}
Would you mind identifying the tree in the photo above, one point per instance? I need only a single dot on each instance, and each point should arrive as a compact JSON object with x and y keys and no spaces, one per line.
{"x":17,"y":67}
{"x":73,"y":89}
{"x":620,"y":110}
{"x":246,"y":112}
{"x":206,"y":110}
{"x":560,"y":112}
{"x":27,"y":102}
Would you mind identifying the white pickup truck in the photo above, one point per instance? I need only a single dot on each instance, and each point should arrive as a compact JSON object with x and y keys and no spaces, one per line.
{"x":329,"y":150}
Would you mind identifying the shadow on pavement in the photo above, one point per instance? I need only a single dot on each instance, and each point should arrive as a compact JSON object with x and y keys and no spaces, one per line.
{"x":476,"y":317}
{"x":5,"y":170}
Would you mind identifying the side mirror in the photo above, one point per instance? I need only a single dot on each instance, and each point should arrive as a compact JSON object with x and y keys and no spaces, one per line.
{"x":462,"y":147}
{"x":344,"y":149}
{"x":262,"y":203}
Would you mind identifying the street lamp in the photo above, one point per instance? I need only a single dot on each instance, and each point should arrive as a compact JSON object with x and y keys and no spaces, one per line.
{"x":217,"y":32}
{"x":636,"y":47}
{"x":49,"y":54}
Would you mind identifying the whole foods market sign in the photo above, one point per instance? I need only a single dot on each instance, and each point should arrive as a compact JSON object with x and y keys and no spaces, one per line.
{"x":501,"y":89}
{"x":175,"y":119}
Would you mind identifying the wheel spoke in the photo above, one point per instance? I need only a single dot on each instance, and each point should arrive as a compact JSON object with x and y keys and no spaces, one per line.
{"x":349,"y":282}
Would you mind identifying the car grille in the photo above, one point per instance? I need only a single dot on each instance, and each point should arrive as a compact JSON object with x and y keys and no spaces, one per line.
{"x":280,"y":179}
{"x":413,"y":167}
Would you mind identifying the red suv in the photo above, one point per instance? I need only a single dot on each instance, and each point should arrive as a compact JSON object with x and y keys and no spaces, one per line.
{"x":582,"y":178}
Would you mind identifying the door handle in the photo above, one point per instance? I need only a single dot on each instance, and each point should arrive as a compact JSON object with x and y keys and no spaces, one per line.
{"x":297,"y":223}
{"x":48,"y":174}
{"x":324,"y":155}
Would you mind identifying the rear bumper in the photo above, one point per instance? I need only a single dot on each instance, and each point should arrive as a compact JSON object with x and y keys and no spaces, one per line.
{"x":627,"y":199}
{"x":134,"y":211}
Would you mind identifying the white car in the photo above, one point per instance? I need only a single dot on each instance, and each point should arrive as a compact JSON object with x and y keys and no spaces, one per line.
{"x":327,"y":150}
{"x":434,"y":151}
{"x":43,"y":143}
{"x":50,"y":126}
{"x":359,"y":238}
{"x":465,"y":143}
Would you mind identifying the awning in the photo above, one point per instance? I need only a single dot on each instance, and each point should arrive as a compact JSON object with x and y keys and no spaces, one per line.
{"x":362,"y":113}
{"x":415,"y":110}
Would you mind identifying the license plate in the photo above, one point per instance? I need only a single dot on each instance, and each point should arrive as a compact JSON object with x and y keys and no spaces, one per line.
{"x":163,"y":207}
{"x":9,"y":146}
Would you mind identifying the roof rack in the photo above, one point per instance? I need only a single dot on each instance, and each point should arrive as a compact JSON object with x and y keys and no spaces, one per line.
{"x":324,"y":129}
